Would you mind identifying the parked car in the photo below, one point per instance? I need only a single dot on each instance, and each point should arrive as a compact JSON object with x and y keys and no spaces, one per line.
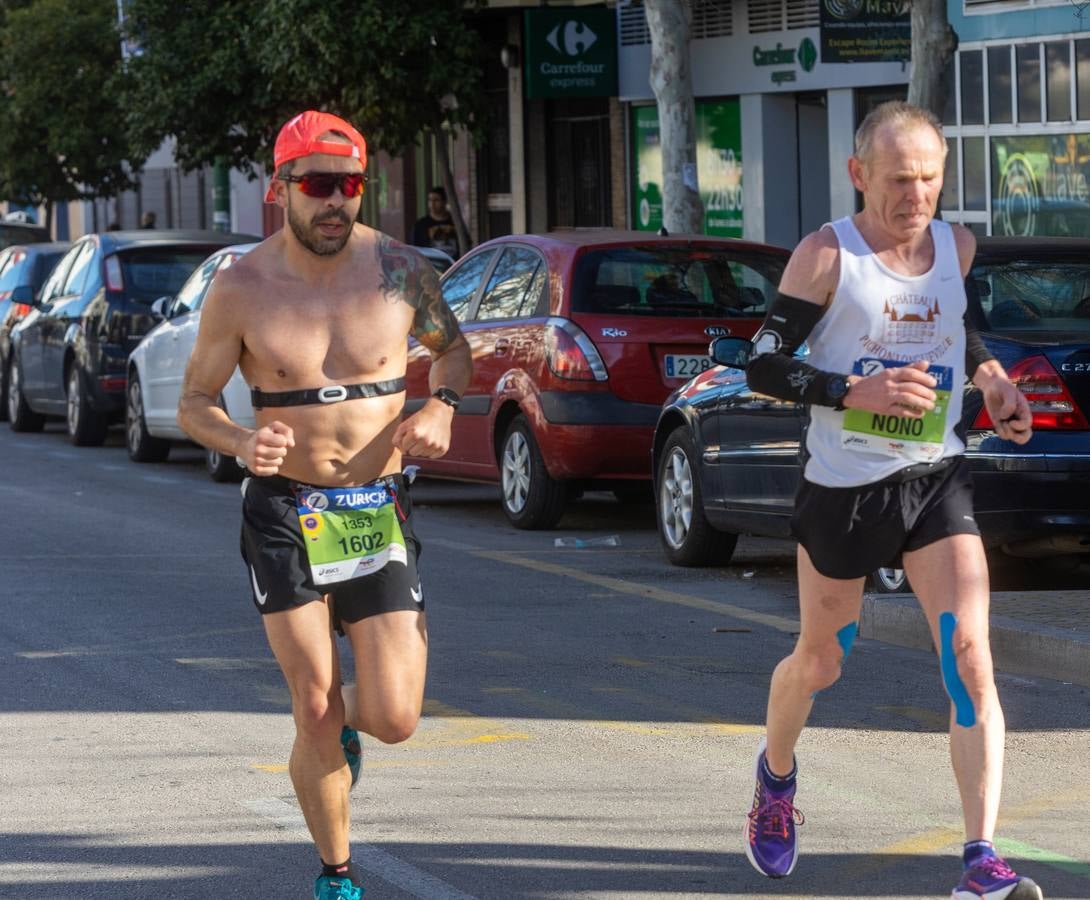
{"x":69,"y":354}
{"x":577,"y":338}
{"x":21,"y":233}
{"x":23,"y":270}
{"x":157,"y":368}
{"x":440,"y":260}
{"x":726,"y":458}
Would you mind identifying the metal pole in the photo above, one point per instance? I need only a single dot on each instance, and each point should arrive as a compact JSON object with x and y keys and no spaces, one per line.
{"x":221,"y":195}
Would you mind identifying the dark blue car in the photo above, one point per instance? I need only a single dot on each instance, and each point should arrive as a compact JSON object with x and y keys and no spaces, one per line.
{"x":726,"y":458}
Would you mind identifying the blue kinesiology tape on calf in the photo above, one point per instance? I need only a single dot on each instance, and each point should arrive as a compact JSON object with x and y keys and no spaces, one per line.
{"x":846,"y":637}
{"x":965,"y":714}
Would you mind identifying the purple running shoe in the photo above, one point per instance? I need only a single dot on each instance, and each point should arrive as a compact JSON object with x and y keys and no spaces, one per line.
{"x":771,"y":843}
{"x":990,"y":878}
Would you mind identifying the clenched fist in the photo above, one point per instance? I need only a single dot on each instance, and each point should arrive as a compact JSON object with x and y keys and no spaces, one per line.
{"x":903,"y":391}
{"x":426,"y":433}
{"x":264,"y":450}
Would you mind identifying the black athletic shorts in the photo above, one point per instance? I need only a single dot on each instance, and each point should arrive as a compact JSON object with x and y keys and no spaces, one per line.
{"x":276,"y":562}
{"x":850,"y":532}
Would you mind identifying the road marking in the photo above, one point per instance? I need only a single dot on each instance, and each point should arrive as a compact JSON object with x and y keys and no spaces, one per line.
{"x":378,"y":862}
{"x":162,"y":479}
{"x":1009,"y":847}
{"x":693,"y":714}
{"x":461,"y":728}
{"x":779,"y":623}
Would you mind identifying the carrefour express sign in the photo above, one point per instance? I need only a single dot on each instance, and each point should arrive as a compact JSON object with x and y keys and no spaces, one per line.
{"x":570,"y":52}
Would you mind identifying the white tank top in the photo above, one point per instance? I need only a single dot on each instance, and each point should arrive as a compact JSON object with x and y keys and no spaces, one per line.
{"x":878,"y":318}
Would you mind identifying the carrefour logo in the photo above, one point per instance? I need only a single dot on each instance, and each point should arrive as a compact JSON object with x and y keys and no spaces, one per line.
{"x":571,"y":38}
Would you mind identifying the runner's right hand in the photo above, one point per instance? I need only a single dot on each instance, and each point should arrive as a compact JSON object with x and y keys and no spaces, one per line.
{"x":264,"y":450}
{"x":902,"y":391}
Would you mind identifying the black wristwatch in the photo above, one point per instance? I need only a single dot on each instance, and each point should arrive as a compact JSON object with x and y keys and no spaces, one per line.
{"x":447,"y":396}
{"x":836,"y":389}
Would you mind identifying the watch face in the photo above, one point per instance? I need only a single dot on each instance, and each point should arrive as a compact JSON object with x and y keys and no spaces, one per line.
{"x":837,"y":387}
{"x":448,"y":397}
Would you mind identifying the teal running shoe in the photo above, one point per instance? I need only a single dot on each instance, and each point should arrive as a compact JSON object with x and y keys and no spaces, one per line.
{"x":353,"y":752}
{"x":329,"y":888}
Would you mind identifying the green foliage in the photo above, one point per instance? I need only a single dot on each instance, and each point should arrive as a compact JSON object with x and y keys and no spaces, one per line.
{"x":62,"y":134}
{"x":389,"y":68}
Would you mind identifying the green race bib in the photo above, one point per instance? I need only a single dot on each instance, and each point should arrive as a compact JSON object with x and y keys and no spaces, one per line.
{"x":916,"y":440}
{"x":349,"y":532}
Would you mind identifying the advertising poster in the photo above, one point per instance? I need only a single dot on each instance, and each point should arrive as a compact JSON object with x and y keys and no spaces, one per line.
{"x":1039,"y":185}
{"x":865,"y":31}
{"x":718,"y":163}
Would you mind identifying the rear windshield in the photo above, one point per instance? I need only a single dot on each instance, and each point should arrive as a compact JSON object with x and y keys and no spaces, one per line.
{"x":1033,"y":295}
{"x":675,"y":281}
{"x":14,"y":272}
{"x":159,"y":272}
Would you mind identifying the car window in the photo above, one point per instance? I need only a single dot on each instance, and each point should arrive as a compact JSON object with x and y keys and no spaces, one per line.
{"x":151,"y":273}
{"x":1033,"y":295}
{"x":53,"y":284}
{"x":43,"y":265}
{"x":9,"y":270}
{"x":81,"y":263}
{"x":192,"y":293}
{"x":507,"y":291}
{"x":461,"y":285}
{"x":675,"y":281}
{"x":225,"y":262}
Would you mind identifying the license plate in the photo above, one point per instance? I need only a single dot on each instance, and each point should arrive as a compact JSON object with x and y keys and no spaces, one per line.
{"x":678,"y":366}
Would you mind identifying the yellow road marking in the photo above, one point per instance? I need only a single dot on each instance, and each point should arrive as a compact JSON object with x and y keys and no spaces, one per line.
{"x":271,"y":768}
{"x":462,"y":728}
{"x":779,"y":623}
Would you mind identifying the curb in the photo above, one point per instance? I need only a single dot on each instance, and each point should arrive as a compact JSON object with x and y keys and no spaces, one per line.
{"x":1018,"y":647}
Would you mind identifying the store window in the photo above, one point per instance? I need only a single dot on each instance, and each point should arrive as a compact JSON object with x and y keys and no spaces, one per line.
{"x":972,"y":87}
{"x":1058,"y":81}
{"x":949,"y":107}
{"x":949,"y":198}
{"x":999,"y":85}
{"x":1028,"y":62}
{"x":973,"y":173}
{"x":1082,"y":79}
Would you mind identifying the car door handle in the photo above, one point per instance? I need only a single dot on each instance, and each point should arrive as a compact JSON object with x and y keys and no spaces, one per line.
{"x":501,"y":346}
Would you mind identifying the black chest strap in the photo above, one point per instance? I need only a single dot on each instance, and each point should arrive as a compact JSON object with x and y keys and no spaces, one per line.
{"x":331,"y":393}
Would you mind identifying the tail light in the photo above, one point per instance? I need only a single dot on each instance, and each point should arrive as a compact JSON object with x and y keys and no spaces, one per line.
{"x":1050,"y":401}
{"x":571,"y":354}
{"x":20,"y":309}
{"x":114,"y":281}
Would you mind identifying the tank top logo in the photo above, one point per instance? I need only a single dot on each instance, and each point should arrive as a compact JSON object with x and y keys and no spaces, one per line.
{"x":911,"y":319}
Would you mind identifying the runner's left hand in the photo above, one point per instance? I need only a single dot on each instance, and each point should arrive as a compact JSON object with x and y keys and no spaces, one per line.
{"x":1009,"y":410}
{"x":425,"y":433}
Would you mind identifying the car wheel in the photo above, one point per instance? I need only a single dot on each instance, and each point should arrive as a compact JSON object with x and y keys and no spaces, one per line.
{"x":222,"y":467}
{"x":531,"y":497}
{"x":688,"y":538}
{"x":889,"y":581}
{"x":86,"y":427}
{"x":20,"y":416}
{"x":5,"y":377}
{"x":142,"y":446}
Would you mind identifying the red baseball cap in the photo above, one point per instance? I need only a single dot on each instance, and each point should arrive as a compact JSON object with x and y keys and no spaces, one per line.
{"x":301,"y":136}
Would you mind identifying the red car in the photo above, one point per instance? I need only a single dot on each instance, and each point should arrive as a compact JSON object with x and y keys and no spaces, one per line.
{"x":577,"y":339}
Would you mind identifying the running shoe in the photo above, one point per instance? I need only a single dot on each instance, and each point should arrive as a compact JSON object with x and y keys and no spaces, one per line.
{"x":353,"y":753}
{"x":990,"y":878}
{"x":329,"y":888}
{"x":771,"y":843}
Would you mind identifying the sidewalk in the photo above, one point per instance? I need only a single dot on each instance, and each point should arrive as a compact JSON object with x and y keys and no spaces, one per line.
{"x":1040,"y":633}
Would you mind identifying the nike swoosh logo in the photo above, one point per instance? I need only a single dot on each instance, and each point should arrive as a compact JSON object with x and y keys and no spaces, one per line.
{"x":418,"y":594}
{"x":945,"y":277}
{"x":261,"y":598}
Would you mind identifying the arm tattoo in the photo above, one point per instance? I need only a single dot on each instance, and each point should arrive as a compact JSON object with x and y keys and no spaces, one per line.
{"x":405,"y":277}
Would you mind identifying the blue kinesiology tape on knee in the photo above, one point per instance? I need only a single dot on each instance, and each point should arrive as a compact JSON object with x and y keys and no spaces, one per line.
{"x":965,"y":714}
{"x":845,"y":637}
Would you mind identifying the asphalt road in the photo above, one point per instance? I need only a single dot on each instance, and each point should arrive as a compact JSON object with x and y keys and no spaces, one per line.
{"x":590,"y":723}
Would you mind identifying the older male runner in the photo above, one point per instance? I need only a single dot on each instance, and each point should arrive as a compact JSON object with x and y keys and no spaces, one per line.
{"x":318,"y":318}
{"x":879,"y":299}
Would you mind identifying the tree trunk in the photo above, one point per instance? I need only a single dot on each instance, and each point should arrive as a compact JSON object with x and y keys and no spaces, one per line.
{"x":669,"y":22}
{"x":455,"y":207}
{"x":933,"y":45}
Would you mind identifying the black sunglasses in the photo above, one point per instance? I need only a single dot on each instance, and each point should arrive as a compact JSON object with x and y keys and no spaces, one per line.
{"x":322,"y":184}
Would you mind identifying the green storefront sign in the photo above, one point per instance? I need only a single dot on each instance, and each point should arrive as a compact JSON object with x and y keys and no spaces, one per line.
{"x":718,"y":166}
{"x":1041,"y":185}
{"x":571,"y":52}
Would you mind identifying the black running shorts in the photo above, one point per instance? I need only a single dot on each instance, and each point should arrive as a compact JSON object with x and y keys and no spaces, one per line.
{"x":278,"y":570}
{"x":850,"y":532}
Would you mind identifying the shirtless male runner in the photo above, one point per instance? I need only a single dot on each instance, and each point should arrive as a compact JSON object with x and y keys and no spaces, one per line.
{"x":318,"y":317}
{"x":879,"y":299}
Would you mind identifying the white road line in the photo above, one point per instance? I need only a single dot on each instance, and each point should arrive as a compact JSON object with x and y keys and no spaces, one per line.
{"x":452,"y":545}
{"x":112,"y":467}
{"x":162,"y":479}
{"x":389,"y":868}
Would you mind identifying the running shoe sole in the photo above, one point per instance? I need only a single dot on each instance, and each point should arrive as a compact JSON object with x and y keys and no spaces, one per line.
{"x":1024,"y":890}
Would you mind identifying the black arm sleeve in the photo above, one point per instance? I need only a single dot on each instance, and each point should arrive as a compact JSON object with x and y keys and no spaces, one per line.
{"x":976,"y":352}
{"x":773,"y":368}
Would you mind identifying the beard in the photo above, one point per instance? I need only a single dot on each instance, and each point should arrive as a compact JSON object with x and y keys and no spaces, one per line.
{"x":310,"y":237}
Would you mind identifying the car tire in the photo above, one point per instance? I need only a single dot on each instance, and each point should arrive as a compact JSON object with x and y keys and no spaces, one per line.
{"x":688,"y":538}
{"x":531,"y":498}
{"x":86,"y":426}
{"x":889,"y":581}
{"x":20,"y":416}
{"x":221,"y":467}
{"x":143,"y":448}
{"x":5,"y":377}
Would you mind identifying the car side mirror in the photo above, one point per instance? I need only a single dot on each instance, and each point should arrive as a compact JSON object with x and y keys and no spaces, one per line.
{"x":159,"y":307}
{"x":732,"y":352}
{"x":23,"y":293}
